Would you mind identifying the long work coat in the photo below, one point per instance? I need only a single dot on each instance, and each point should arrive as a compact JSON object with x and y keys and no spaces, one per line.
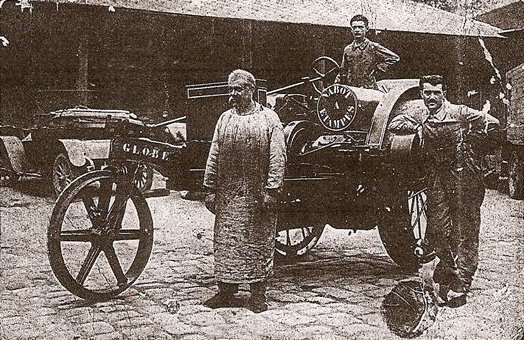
{"x":247,"y":158}
{"x":359,"y":62}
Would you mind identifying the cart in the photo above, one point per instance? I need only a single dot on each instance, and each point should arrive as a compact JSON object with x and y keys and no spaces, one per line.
{"x":67,"y":143}
{"x":344,"y":170}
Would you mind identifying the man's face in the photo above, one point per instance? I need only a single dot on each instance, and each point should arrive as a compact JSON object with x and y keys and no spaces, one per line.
{"x":433,"y":96}
{"x":359,"y":29}
{"x":240,"y":93}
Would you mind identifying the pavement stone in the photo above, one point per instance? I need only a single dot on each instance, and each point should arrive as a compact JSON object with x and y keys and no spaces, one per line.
{"x":172,"y":324}
{"x":363,"y":331}
{"x":286,"y":297}
{"x":202,"y":319}
{"x":107,"y":336}
{"x":259,"y":326}
{"x":143,"y":332}
{"x":335,"y":292}
{"x":290,"y":318}
{"x":95,"y":328}
{"x":309,"y":332}
{"x":315,"y":310}
{"x":337,"y":319}
{"x":321,"y":300}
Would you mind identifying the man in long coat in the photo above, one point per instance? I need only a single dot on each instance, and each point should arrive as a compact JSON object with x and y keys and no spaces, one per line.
{"x":452,"y":136}
{"x":244,"y":176}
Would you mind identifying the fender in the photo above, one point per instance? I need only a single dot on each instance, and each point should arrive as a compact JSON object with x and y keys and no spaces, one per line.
{"x":12,"y":151}
{"x":384,"y":109}
{"x":297,"y":133}
{"x":81,"y":151}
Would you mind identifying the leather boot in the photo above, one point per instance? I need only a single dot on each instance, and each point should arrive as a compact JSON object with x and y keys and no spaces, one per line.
{"x":257,"y":301}
{"x":225,"y":296}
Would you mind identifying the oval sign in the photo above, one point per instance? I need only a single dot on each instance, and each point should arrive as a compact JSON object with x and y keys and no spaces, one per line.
{"x":337,"y":107}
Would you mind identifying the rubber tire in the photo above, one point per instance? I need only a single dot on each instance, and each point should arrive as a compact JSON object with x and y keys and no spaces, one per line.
{"x":516,"y":175}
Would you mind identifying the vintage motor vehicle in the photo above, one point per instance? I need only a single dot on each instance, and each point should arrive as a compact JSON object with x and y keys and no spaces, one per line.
{"x":69,"y":142}
{"x":344,"y":170}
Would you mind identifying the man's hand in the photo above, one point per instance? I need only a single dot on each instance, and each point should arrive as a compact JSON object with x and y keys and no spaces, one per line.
{"x":210,"y":202}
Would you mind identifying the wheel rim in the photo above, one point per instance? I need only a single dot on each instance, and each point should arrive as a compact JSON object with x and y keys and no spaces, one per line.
{"x":97,"y":250}
{"x":62,"y":173}
{"x":297,"y":241}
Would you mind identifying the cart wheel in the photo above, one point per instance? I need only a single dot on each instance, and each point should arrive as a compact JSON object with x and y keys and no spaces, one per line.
{"x":63,"y":173}
{"x":100,"y":236}
{"x":144,"y":177}
{"x":405,"y":242}
{"x":516,"y":176}
{"x":297,"y":241}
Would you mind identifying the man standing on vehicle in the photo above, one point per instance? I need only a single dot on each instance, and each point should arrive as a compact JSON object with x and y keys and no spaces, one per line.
{"x":452,"y":137}
{"x":244,"y":177}
{"x":363,"y":58}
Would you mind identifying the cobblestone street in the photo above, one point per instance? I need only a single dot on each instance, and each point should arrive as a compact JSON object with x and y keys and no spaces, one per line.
{"x":335,"y":292}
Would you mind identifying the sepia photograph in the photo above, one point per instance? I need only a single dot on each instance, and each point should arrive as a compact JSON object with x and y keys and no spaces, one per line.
{"x":262,"y":169}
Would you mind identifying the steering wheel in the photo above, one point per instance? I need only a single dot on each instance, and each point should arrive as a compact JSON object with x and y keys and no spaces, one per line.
{"x":325,"y":63}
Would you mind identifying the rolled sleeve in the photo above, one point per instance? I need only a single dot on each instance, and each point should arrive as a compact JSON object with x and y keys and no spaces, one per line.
{"x":387,"y":57}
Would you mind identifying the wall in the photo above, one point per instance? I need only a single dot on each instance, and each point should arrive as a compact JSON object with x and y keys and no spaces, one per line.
{"x":142,"y":61}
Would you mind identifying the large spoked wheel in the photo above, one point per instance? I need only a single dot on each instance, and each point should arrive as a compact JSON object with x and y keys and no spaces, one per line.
{"x":63,"y":173}
{"x":100,"y":236}
{"x":404,"y":229}
{"x":327,"y":69}
{"x":297,"y":241}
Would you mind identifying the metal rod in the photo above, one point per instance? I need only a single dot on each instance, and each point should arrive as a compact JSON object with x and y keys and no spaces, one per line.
{"x":294,"y":85}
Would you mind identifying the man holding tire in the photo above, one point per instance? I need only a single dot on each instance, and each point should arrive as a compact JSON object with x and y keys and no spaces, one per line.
{"x":452,"y":136}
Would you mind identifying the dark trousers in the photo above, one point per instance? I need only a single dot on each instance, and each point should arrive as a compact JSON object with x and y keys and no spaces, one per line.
{"x":454,"y":202}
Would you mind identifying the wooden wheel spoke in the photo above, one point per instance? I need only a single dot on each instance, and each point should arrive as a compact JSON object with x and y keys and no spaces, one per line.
{"x":104,"y":197}
{"x":89,"y":261}
{"x":304,"y":232}
{"x":116,"y":267}
{"x":128,"y":234}
{"x":91,"y":209}
{"x":411,"y":205}
{"x":118,"y":209}
{"x":76,"y":236}
{"x":62,"y":171}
